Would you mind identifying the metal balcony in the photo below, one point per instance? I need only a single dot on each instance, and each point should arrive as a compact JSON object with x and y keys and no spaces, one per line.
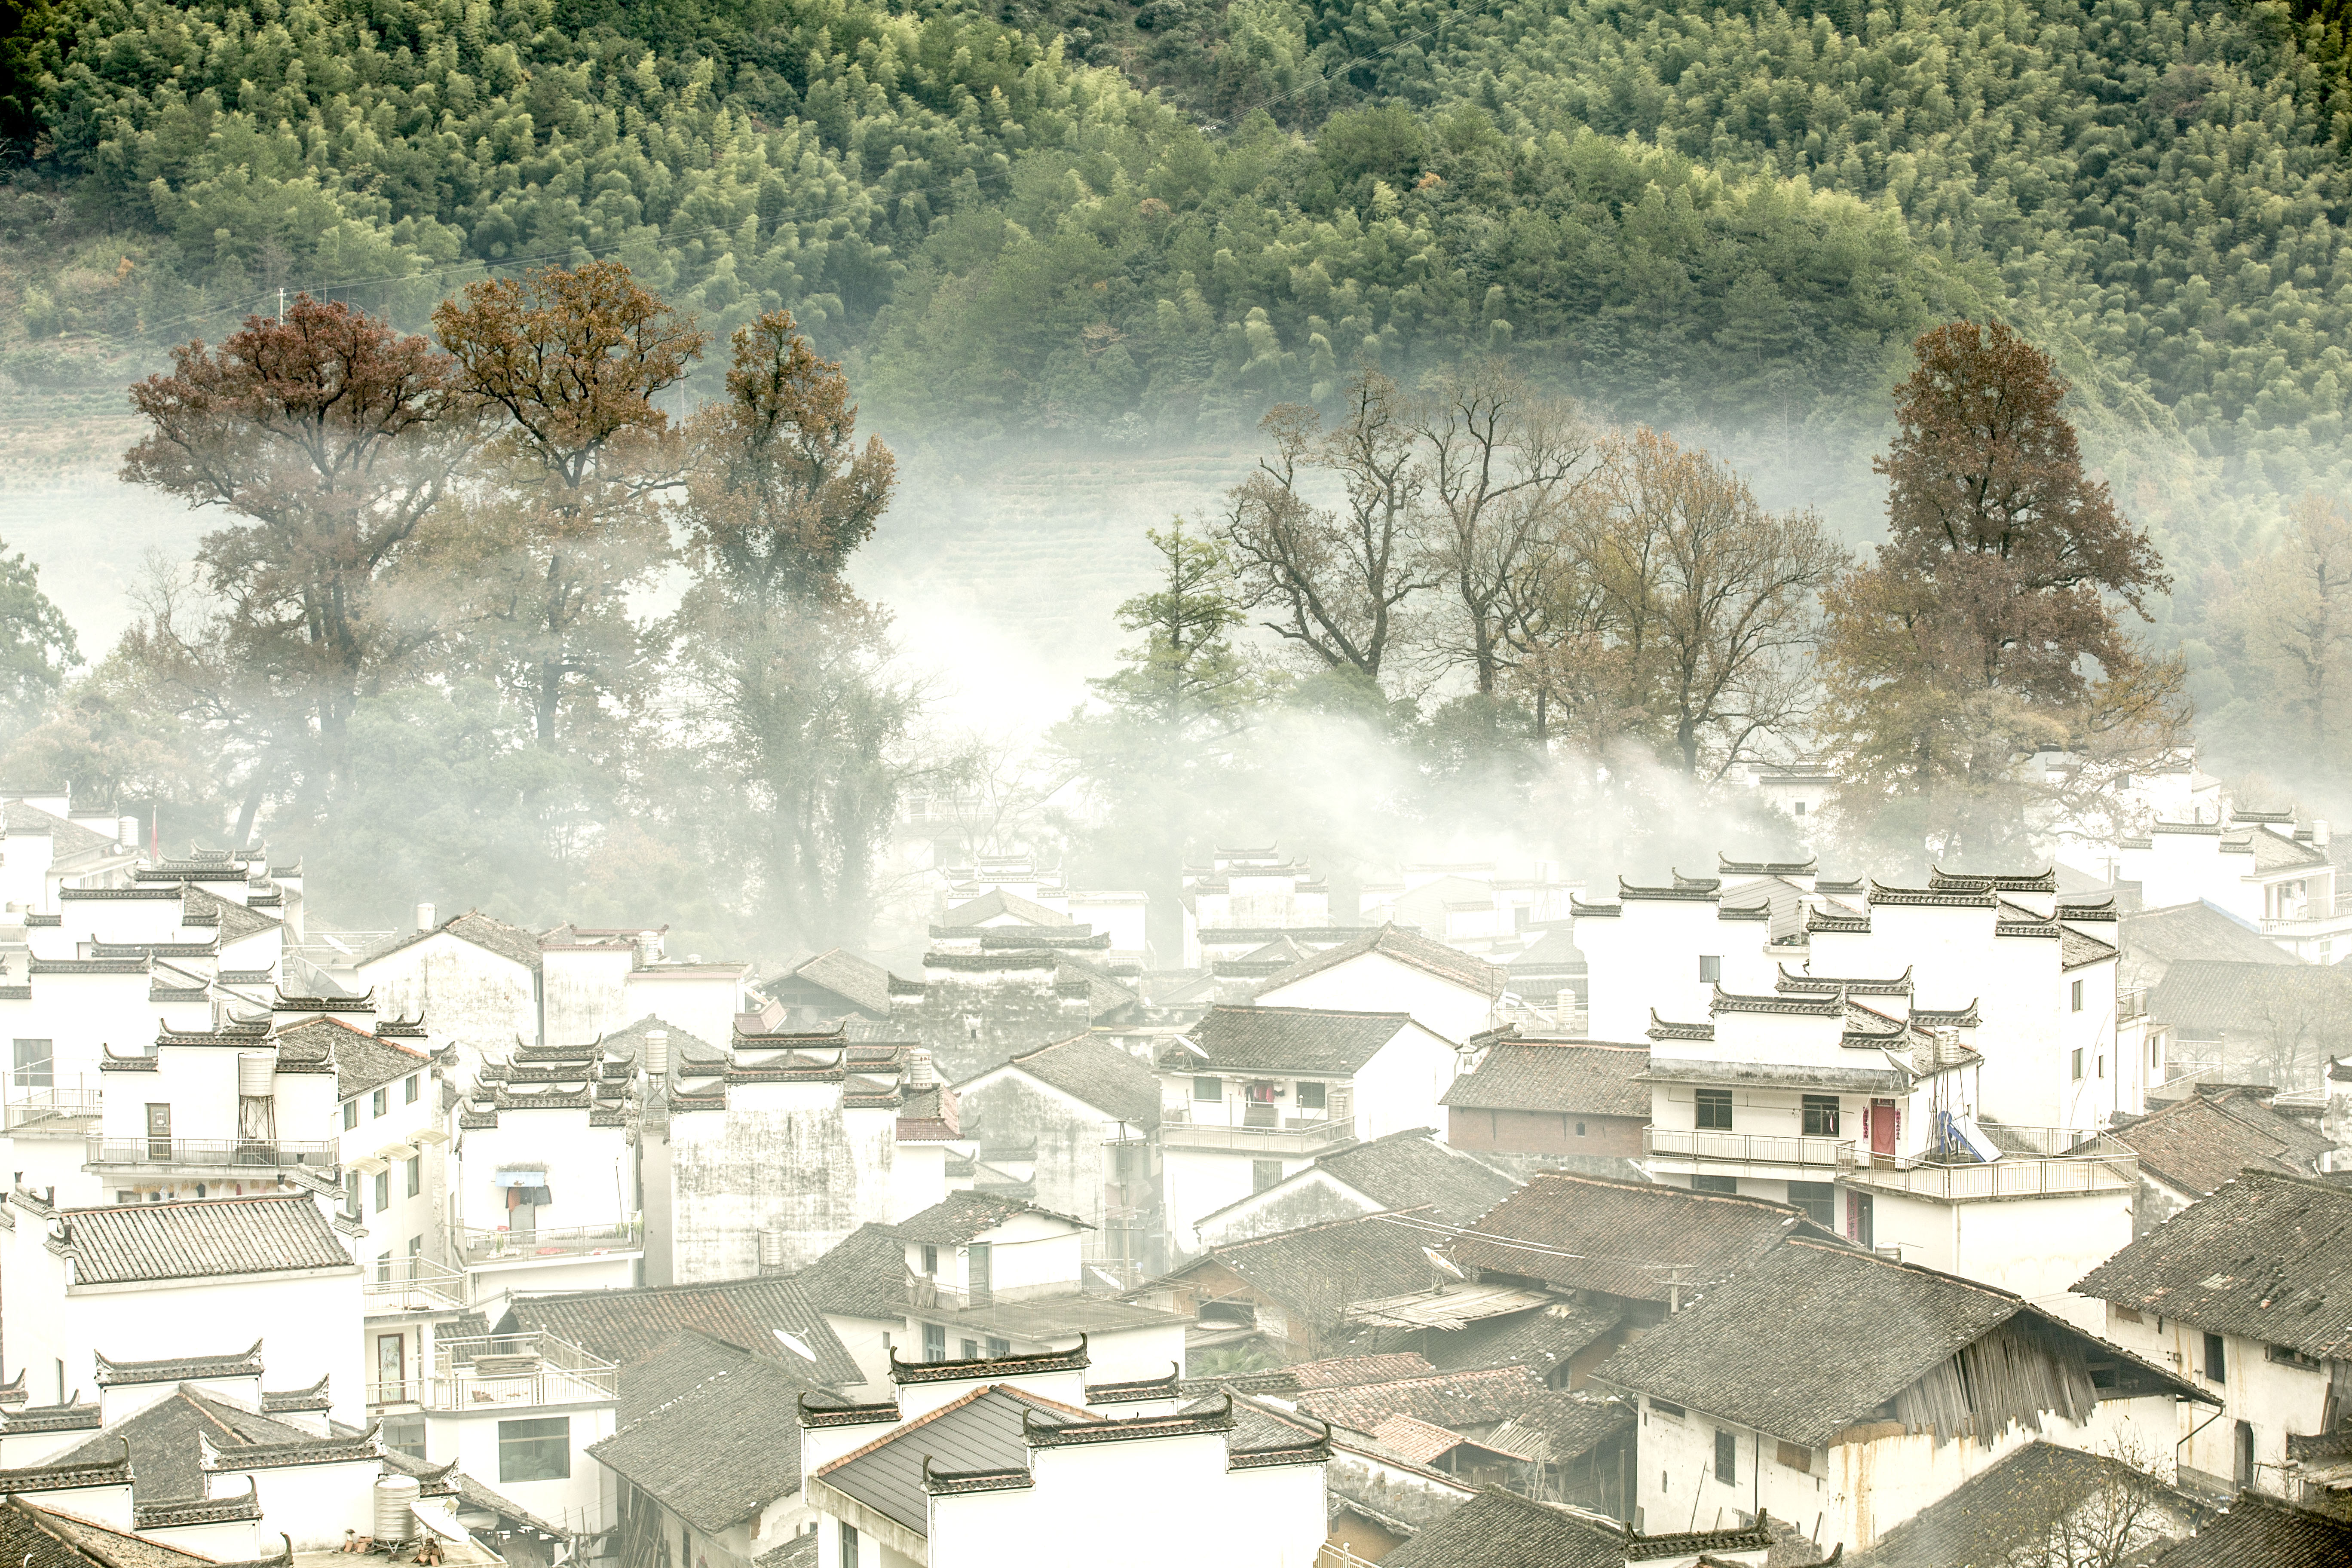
{"x":547,"y":1244}
{"x":2035,"y":1163}
{"x":209,"y":1153}
{"x":1748,"y":1148}
{"x":33,"y":1108}
{"x":1300,"y":1137}
{"x":510,"y":1371}
{"x":412,"y":1285}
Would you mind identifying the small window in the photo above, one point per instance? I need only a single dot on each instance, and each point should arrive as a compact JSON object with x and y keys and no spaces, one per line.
{"x":415,"y":1163}
{"x":405,"y":1435}
{"x":1667,"y":1407}
{"x":967,"y":1349}
{"x":1710,"y":968}
{"x":1818,"y":1199}
{"x":935,"y":1341}
{"x":1580,"y":1130}
{"x":930,"y":1258}
{"x":351,"y":1114}
{"x":35,"y":1064}
{"x":2103,"y":1064}
{"x":1209,"y":1089}
{"x":1310,"y":1096}
{"x":383,"y":1191}
{"x":848,"y":1546}
{"x":1821,"y":1116}
{"x":999,"y":1348}
{"x":1713,"y":1110}
{"x":1801,"y":808}
{"x":1727,"y":1457}
{"x":352,"y":1191}
{"x":408,"y":1090}
{"x":2217,"y":1359}
{"x":535,"y":1450}
{"x":1728,"y":1185}
{"x":2285,"y":1355}
{"x":2078,"y":996}
{"x":2126,"y":1314}
{"x":379,"y":1102}
{"x":1264,"y":1173}
{"x":2077,"y":1060}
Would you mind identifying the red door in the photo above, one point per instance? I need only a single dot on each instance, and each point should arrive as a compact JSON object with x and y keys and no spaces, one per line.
{"x":1883,"y":1119}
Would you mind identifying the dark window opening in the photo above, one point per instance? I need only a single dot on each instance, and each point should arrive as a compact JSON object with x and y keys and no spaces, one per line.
{"x":1310,"y":1096}
{"x":535,"y":1450}
{"x":1727,"y":1457}
{"x":1729,"y":1186}
{"x":2217,"y":1359}
{"x":1818,"y":1199}
{"x":1713,"y":1110}
{"x":935,"y":1341}
{"x":1821,"y":1116}
{"x":1710,"y":968}
{"x":1209,"y":1089}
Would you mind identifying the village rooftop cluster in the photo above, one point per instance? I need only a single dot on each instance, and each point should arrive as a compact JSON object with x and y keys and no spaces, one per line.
{"x":1770,"y":1213}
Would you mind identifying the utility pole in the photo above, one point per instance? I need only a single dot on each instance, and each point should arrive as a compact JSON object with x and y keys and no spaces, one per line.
{"x":282,"y":304}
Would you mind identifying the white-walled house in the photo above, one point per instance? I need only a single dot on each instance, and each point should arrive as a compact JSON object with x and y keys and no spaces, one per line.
{"x":140,"y":1281}
{"x":2241,"y":1293}
{"x":547,"y":1195}
{"x":993,"y":1276}
{"x":977,"y":1463}
{"x":1252,"y":1095}
{"x":1391,"y":969}
{"x":1826,"y":1382}
{"x":475,"y":977}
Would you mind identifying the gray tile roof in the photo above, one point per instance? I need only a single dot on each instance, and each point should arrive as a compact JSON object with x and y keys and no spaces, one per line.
{"x":1091,"y":1068}
{"x":508,"y":941}
{"x":996,"y":901}
{"x":1287,"y":1039}
{"x":1456,"y":1401}
{"x":2196,"y":930}
{"x":864,"y":1275}
{"x":1317,"y":1269}
{"x":958,"y":1217}
{"x":1498,"y":1529}
{"x":1542,"y":1338}
{"x":2205,"y":1139}
{"x":2076,"y":949}
{"x":1556,"y":1076}
{"x":2266,"y":1256}
{"x":1406,"y":947}
{"x":67,"y":839}
{"x":33,"y":1537}
{"x":2263,"y":1532}
{"x":1632,"y":1240}
{"x":237,"y":921}
{"x":981,"y":1431}
{"x":685,"y":1358}
{"x":859,"y":980}
{"x":1752,"y":1350}
{"x":799,"y":1551}
{"x":166,"y":1462}
{"x":191,"y":1240}
{"x":2204,"y":998}
{"x":1413,"y":1170}
{"x":363,"y":1061}
{"x":719,"y":1450}
{"x":1981,"y":1524}
{"x":626,"y":1326}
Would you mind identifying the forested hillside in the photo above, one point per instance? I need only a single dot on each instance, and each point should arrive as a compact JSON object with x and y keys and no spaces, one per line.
{"x":1119,"y":223}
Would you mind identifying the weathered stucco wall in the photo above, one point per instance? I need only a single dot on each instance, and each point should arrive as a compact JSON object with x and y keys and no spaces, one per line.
{"x":785,"y":1157}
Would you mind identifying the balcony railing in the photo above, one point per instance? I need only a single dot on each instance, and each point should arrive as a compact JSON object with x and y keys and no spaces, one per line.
{"x":1300,"y":1137}
{"x":412,"y":1285}
{"x":511,"y":1370}
{"x":30,"y":1107}
{"x":2100,"y":1166}
{"x":211,"y":1154}
{"x":2323,"y":918}
{"x":482,"y":1248}
{"x":1752,"y":1148}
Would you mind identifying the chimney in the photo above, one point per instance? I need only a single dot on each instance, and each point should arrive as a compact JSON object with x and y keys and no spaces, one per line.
{"x":2319,"y":833}
{"x":918,"y":1067}
{"x":425,"y":921}
{"x":126,"y":831}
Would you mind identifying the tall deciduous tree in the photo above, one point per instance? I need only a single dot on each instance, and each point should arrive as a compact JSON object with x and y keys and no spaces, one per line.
{"x":568,"y":360}
{"x":331,"y":436}
{"x":1710,"y":599}
{"x":1984,"y":633}
{"x":1334,"y":580}
{"x":37,"y":644}
{"x":794,"y":696}
{"x":1504,"y":461}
